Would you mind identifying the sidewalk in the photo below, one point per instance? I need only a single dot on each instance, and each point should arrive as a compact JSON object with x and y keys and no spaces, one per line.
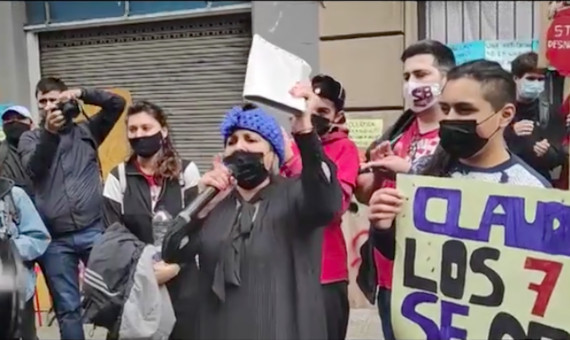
{"x":364,"y":324}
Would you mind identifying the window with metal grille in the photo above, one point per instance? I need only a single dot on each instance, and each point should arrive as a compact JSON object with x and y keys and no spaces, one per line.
{"x":458,"y":21}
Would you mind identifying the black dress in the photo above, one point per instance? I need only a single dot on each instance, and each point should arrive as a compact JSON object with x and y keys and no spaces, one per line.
{"x":259,"y":261}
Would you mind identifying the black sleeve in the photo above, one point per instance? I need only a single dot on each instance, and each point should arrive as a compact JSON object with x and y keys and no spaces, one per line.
{"x":319,"y":197}
{"x":181,"y":241}
{"x":515,"y":143}
{"x":384,"y":241}
{"x":555,"y":156}
{"x":111,"y":212}
{"x":112,"y":199}
{"x":102,"y":122}
{"x":38,"y":154}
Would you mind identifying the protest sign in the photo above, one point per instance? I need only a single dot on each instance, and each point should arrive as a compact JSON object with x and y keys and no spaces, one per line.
{"x":364,"y":131}
{"x":468,"y":51}
{"x":479,"y":260}
{"x":505,"y":51}
{"x":501,"y":51}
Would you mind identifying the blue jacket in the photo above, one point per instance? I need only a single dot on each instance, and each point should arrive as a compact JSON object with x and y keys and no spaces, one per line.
{"x":27,"y":230}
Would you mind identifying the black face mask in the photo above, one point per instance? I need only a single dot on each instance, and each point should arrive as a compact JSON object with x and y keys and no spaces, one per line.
{"x":14,"y":130}
{"x":148,"y":146}
{"x":249,"y":169}
{"x":321,"y":124}
{"x":459,"y":138}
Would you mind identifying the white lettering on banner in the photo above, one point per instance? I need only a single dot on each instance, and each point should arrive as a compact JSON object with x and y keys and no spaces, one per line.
{"x":504,"y":52}
{"x":559,"y":44}
{"x":561,"y":31}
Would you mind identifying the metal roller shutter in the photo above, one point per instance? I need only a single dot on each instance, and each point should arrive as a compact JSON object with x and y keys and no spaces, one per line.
{"x":458,"y":21}
{"x":194,"y":69}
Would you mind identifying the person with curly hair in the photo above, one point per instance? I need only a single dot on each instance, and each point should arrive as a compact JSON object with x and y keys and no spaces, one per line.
{"x":146,"y":192}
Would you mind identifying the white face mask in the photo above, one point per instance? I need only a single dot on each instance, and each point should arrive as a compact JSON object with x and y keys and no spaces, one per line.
{"x":420,"y":97}
{"x":531,"y":89}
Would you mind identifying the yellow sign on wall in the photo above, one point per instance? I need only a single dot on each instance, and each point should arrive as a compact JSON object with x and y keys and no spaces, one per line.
{"x":479,"y":260}
{"x":115,"y":148}
{"x":364,"y":131}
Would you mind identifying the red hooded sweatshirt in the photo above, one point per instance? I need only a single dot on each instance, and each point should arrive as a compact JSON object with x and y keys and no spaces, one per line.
{"x":344,"y":153}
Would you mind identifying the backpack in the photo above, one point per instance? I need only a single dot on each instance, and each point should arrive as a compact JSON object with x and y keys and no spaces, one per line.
{"x":108,"y":277}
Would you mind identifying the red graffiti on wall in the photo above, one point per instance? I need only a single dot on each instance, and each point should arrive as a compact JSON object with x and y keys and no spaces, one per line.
{"x":355,"y":247}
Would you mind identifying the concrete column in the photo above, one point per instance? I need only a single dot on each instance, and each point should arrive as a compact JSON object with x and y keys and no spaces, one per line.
{"x":14,"y":79}
{"x":291,"y":25}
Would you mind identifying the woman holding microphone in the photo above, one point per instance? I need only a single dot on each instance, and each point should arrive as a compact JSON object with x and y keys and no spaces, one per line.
{"x":258,"y":242}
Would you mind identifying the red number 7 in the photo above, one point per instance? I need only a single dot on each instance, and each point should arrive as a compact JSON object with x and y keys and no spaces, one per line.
{"x":543,"y":290}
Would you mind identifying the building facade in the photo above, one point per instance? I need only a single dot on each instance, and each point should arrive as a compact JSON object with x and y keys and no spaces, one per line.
{"x":190,"y":56}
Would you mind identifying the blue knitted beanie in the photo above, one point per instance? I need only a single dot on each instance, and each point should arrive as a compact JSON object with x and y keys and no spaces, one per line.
{"x":258,"y":121}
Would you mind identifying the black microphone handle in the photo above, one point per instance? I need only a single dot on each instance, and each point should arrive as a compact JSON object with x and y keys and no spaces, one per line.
{"x":198,"y":203}
{"x":202,"y":199}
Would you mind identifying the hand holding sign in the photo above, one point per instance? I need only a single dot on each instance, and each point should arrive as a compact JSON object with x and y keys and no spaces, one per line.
{"x":302,"y":122}
{"x":385,"y":204}
{"x":478,"y":260}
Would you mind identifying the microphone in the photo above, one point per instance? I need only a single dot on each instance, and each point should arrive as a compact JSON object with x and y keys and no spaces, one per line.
{"x":202,"y":199}
{"x":176,"y":238}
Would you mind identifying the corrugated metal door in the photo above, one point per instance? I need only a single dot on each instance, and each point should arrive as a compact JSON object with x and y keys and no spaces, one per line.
{"x":193,"y":68}
{"x":459,"y":21}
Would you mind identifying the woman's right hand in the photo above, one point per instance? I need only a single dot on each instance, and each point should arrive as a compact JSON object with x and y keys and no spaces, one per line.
{"x":385,"y":204}
{"x":220,"y":178}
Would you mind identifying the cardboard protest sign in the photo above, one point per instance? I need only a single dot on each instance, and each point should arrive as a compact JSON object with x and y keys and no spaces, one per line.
{"x":479,"y":260}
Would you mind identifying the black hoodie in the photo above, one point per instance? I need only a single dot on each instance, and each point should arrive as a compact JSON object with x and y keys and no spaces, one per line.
{"x":546,"y":126}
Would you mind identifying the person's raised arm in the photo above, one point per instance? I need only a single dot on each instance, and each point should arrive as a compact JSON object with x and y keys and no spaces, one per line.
{"x":111,"y":106}
{"x":318,"y":195}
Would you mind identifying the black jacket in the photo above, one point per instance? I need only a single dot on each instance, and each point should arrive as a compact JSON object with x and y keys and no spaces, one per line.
{"x":11,"y":167}
{"x":547,"y":125}
{"x":64,"y":168}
